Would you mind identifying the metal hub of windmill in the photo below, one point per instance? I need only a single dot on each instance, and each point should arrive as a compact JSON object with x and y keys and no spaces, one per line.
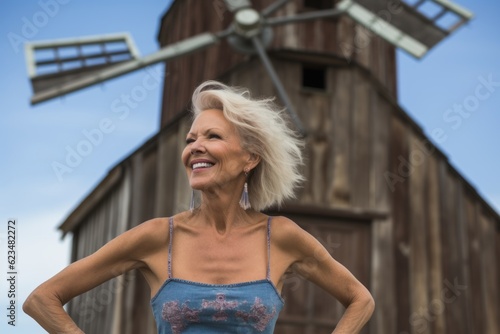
{"x":248,"y":24}
{"x":250,"y":32}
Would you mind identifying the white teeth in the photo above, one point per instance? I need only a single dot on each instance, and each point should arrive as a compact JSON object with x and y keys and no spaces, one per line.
{"x":202,"y":165}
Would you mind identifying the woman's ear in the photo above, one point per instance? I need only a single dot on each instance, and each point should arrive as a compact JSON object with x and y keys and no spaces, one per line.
{"x":253,"y":161}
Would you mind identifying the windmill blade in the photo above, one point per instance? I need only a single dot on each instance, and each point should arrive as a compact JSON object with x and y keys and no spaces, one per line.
{"x":236,"y":5}
{"x":182,"y":48}
{"x":277,"y":83}
{"x":320,"y":14}
{"x":413,"y":29}
{"x":274,"y":7}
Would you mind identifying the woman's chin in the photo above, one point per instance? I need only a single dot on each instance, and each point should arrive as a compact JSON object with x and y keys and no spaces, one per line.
{"x":198,"y":186}
{"x":201,"y":183}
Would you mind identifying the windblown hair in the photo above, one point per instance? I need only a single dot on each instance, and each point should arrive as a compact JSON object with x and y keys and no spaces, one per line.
{"x":264,"y":131}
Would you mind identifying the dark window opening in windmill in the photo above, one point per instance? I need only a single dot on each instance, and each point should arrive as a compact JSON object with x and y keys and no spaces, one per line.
{"x":314,"y":77}
{"x":319,"y":4}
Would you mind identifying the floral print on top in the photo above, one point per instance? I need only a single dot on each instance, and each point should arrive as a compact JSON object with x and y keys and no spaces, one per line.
{"x":258,"y":315}
{"x":220,"y":304}
{"x":183,"y":306}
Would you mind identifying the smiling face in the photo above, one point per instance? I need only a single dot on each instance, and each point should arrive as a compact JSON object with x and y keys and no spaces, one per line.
{"x":213,"y":156}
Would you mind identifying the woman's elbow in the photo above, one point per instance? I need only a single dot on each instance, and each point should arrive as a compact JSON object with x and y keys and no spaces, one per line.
{"x":29,"y":303}
{"x":368,"y":303}
{"x":36,"y":300}
{"x":363,"y":301}
{"x":371,"y":304}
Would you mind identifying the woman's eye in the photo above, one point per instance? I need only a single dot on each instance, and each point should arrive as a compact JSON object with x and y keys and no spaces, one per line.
{"x":189,"y":140}
{"x":213,"y":135}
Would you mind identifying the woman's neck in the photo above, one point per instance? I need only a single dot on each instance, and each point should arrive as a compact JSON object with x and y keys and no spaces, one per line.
{"x":222,"y":212}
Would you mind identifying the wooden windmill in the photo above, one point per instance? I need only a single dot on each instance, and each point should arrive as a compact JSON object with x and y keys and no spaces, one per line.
{"x":249,"y":32}
{"x":381,"y":198}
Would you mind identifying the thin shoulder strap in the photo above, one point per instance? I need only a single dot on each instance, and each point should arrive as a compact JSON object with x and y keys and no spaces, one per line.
{"x":171,"y":223}
{"x":268,"y":248}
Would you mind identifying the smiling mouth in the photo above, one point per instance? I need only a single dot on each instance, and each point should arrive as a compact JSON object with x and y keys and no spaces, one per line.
{"x":202,"y":165}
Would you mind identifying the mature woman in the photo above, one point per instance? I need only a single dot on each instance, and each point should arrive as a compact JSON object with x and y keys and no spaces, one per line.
{"x":217,"y":268}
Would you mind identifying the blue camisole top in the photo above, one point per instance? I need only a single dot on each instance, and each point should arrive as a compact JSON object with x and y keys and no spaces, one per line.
{"x":182,"y":306}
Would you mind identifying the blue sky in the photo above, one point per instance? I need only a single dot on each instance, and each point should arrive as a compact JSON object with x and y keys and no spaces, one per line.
{"x":35,"y":137}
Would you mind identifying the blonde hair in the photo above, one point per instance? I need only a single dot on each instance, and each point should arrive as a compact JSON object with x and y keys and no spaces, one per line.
{"x":263,"y":130}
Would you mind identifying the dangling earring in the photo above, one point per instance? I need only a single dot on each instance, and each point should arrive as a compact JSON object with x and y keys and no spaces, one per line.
{"x":191,"y":204}
{"x":245,"y":201}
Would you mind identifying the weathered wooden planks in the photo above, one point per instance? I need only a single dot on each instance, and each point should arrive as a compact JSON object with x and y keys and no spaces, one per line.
{"x":489,"y":273}
{"x":361,"y":137}
{"x":164,"y":197}
{"x":340,"y":187}
{"x":399,"y":150}
{"x":435,"y":247}
{"x":419,"y":298}
{"x":383,"y":271}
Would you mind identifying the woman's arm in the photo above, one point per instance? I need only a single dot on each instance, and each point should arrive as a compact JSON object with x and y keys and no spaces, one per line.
{"x":124,"y":253}
{"x":313,"y":262}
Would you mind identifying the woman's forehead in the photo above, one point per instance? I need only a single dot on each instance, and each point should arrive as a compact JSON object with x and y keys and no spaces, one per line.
{"x":211,"y":118}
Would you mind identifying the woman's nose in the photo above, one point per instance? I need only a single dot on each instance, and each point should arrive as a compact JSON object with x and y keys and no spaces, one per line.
{"x":197,"y":147}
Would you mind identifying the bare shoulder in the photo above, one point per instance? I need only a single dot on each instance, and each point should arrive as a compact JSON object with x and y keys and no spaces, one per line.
{"x":293,"y":239}
{"x":288,"y":234}
{"x":147,"y":237}
{"x":284,"y":228}
{"x":153,"y":229}
{"x":286,"y":231}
